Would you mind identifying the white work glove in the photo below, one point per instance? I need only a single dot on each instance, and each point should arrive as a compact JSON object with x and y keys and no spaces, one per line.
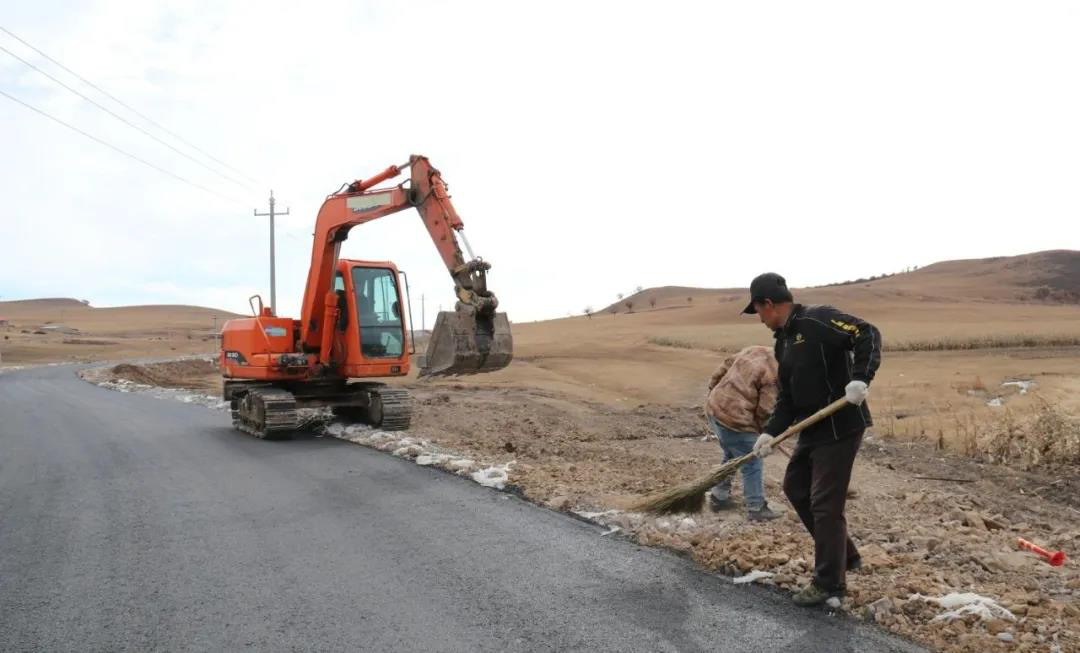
{"x":763,"y":446}
{"x":856,"y":392}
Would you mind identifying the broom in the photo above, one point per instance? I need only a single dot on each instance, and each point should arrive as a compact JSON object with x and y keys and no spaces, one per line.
{"x":690,"y":497}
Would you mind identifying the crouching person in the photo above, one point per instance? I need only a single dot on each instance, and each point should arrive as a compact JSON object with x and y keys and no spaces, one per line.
{"x":742,"y":393}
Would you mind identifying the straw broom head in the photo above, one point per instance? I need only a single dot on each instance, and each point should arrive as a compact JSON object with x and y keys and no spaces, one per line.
{"x":688,"y":497}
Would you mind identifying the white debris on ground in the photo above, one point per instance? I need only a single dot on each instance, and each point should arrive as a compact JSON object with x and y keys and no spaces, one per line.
{"x":422,"y":452}
{"x":595,"y":516}
{"x":1023,"y":385}
{"x":185,"y":396}
{"x":752,"y":577}
{"x":958,"y":605}
{"x":495,"y":476}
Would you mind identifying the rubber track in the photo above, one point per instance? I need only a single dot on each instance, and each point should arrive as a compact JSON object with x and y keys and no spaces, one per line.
{"x":277,"y":417}
{"x":397,"y":408}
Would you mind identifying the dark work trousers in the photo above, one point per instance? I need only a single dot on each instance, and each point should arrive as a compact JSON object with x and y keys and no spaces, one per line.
{"x":816,"y":483}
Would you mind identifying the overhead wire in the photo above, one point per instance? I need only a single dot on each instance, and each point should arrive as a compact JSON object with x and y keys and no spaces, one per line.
{"x":127,"y":106}
{"x":117,"y":149}
{"x":124,"y":120}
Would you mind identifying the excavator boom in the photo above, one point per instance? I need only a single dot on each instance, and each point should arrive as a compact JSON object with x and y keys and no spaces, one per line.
{"x":473,"y":338}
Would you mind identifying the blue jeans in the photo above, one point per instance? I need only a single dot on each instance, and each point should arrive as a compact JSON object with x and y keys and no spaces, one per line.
{"x":737,"y":444}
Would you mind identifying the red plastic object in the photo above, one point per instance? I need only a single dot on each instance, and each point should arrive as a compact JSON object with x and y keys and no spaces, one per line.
{"x":1055,"y":559}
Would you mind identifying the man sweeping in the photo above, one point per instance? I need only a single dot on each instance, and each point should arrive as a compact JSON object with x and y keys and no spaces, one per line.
{"x":742,"y":393}
{"x":823,"y":355}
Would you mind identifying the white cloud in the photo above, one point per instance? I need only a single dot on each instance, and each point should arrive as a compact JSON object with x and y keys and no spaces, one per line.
{"x":590,"y":147}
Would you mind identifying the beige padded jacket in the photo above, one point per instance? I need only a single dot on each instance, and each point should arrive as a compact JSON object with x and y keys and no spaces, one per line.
{"x":742,"y":391}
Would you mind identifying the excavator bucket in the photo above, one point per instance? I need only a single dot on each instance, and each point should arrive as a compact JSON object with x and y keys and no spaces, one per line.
{"x":463,"y":343}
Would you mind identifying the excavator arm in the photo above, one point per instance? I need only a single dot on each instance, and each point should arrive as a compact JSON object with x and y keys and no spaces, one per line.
{"x":474,"y":338}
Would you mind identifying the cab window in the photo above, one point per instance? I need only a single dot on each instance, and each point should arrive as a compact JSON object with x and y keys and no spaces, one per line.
{"x":378,"y":313}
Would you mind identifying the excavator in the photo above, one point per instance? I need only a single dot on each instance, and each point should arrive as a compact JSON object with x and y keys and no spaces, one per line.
{"x":352,"y":327}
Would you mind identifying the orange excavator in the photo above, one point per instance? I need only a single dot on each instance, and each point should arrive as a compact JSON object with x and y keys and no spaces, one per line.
{"x":352,"y":327}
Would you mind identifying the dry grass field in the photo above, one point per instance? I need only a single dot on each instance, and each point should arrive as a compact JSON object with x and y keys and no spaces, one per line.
{"x":81,"y":333}
{"x":957,"y":337}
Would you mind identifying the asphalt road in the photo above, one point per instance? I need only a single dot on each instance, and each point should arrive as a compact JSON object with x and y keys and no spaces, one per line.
{"x":130,"y":523}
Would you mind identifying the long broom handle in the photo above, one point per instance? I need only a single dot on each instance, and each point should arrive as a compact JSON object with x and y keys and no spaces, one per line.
{"x":831,"y":409}
{"x":827,"y":411}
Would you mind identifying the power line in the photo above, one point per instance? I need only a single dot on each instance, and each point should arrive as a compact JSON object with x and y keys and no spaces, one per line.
{"x":117,"y":149}
{"x":127,"y":106}
{"x":124,"y":120}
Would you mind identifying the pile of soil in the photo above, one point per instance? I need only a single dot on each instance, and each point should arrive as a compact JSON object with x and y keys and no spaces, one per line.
{"x":193,"y":374}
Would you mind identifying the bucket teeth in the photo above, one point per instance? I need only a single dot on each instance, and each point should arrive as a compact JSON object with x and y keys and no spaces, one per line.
{"x":462,"y":343}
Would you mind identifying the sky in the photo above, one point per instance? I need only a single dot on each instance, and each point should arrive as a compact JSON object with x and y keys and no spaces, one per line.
{"x":589,"y":147}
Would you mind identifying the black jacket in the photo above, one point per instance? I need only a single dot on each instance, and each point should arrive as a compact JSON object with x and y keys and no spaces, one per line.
{"x":821,"y":350}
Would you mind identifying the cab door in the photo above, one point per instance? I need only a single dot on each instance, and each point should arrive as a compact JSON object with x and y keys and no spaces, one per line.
{"x":376,"y":327}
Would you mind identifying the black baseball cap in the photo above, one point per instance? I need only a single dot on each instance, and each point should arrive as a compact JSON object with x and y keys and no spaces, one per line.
{"x":767,"y":286}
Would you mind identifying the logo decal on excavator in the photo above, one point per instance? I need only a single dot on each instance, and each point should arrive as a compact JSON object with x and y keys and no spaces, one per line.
{"x":362,"y":203}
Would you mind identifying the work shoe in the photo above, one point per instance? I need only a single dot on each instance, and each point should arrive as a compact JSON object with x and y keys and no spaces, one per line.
{"x":812,"y":595}
{"x":761,"y":514}
{"x":716,"y":505}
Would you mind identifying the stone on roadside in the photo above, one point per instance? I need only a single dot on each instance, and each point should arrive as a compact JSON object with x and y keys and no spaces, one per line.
{"x":407,"y":452}
{"x":1011,"y":561}
{"x":777,"y":559}
{"x":995,"y":626}
{"x":559,"y":503}
{"x":461,"y":464}
{"x":974,"y":520}
{"x":914,"y":498}
{"x":882,"y":606}
{"x":926,"y":542}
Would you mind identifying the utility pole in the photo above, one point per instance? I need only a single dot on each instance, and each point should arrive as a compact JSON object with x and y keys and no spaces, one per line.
{"x":273,"y":278}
